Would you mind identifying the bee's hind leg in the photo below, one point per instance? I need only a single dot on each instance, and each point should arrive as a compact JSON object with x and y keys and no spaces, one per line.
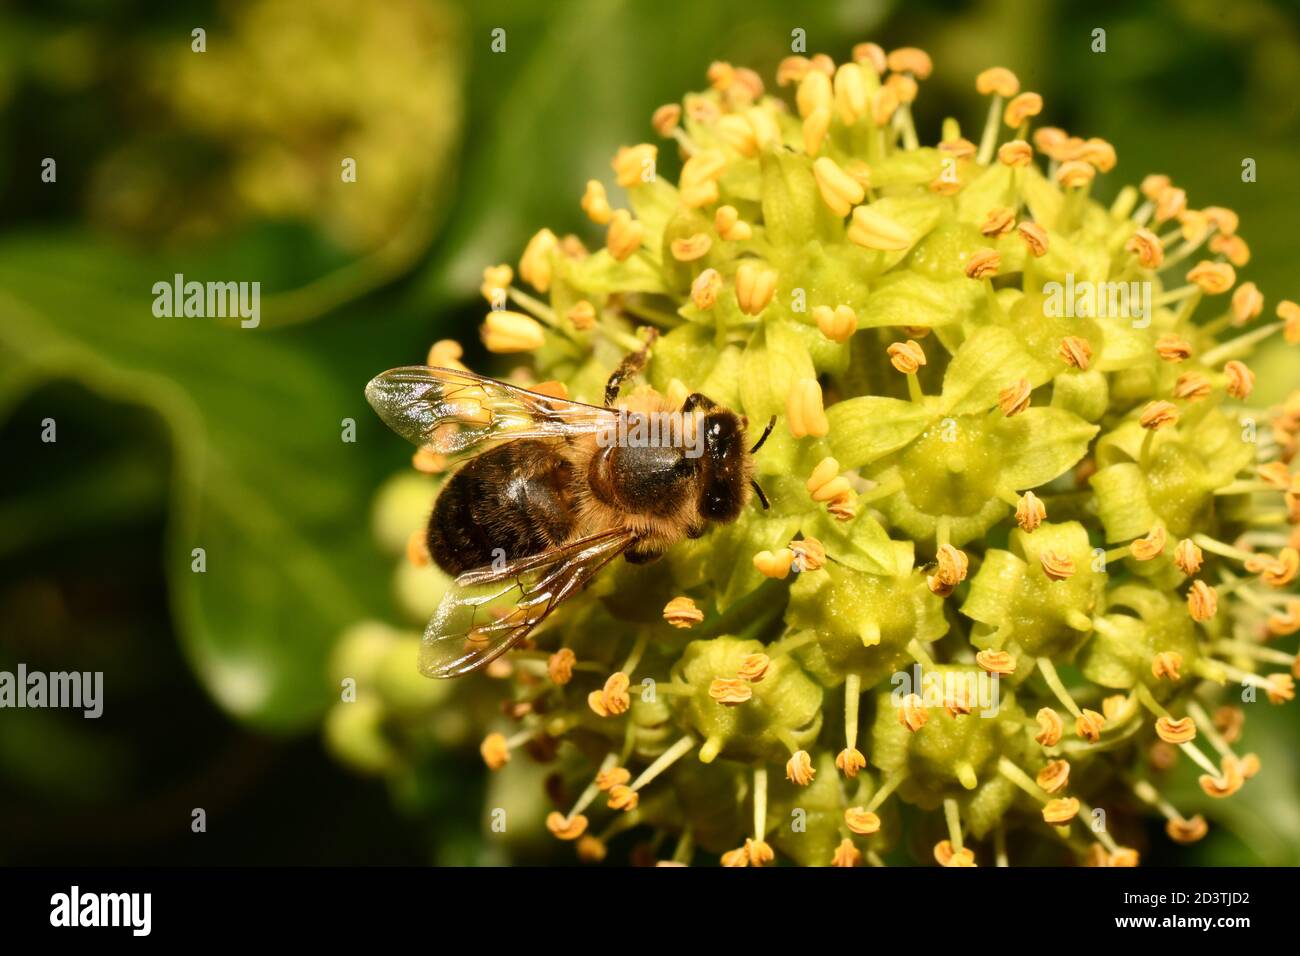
{"x":631,"y":364}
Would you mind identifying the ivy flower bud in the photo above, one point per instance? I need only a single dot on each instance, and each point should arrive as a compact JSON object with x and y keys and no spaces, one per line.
{"x":730,"y":691}
{"x":633,"y":165}
{"x":1050,"y":727}
{"x":996,"y":662}
{"x":999,"y":80}
{"x":1151,"y":546}
{"x":1241,"y":380}
{"x":872,"y":55}
{"x":681,"y":612}
{"x":1284,"y":622}
{"x":607,"y":780}
{"x":1088,"y":725}
{"x":1202,"y":601}
{"x":1188,"y":557}
{"x":1055,"y":776}
{"x":754,"y":668}
{"x":952,"y":565}
{"x":851,"y":96}
{"x":1035,"y":238}
{"x":1282,"y":571}
{"x":1213,"y":278}
{"x":582,"y":314}
{"x":815,"y":93}
{"x":535,"y":264}
{"x":836,"y":324}
{"x":958,"y":148}
{"x":1157,"y":415}
{"x":755,"y":286}
{"x":624,"y":235}
{"x":1014,"y":399}
{"x":826,"y":483}
{"x":910,"y":59}
{"x":1015,"y":153}
{"x":1176,"y":731}
{"x":774,"y":564}
{"x":559,"y":666}
{"x":1061,"y":811}
{"x":728,"y":224}
{"x":690,"y":248}
{"x":983,"y":264}
{"x":998,"y":221}
{"x":861,"y":821}
{"x":1075,"y":173}
{"x":809,"y":555}
{"x":623,"y":797}
{"x":1227,"y":783}
{"x":846,"y":854}
{"x":1192,"y":386}
{"x":1289,"y":313}
{"x":815,"y":127}
{"x":871,"y":230}
{"x":840,"y":191}
{"x":1075,"y":352}
{"x":1223,"y":219}
{"x":705,"y":289}
{"x":1187,"y":831}
{"x":595,"y":203}
{"x":799,"y":769}
{"x":945,"y":855}
{"x":1173,"y":348}
{"x":1030,"y":512}
{"x":850,"y":761}
{"x":906,"y":357}
{"x":1021,"y":108}
{"x":494,"y":750}
{"x":804,"y":412}
{"x":1170,"y":204}
{"x":1056,"y":565}
{"x":496,"y":280}
{"x":505,"y":332}
{"x":666,"y":119}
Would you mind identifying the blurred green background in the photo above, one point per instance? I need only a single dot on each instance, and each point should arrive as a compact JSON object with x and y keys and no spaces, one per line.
{"x":221,"y":688}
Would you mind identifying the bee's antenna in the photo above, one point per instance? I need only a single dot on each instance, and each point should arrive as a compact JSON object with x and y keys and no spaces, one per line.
{"x":759,"y":444}
{"x":758,"y":489}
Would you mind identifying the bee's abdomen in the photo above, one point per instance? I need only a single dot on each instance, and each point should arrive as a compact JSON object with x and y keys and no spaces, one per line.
{"x":508,"y":503}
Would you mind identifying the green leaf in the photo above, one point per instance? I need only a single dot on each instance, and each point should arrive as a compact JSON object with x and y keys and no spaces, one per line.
{"x":911,"y":298}
{"x":1041,"y":443}
{"x":1122,"y":502}
{"x":262,"y":481}
{"x":861,"y":544}
{"x":869,"y":427}
{"x":990,"y":360}
{"x":775,"y":357}
{"x":790,"y":198}
{"x":600,"y":274}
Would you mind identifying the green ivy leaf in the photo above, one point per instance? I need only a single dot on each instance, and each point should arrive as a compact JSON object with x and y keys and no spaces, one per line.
{"x":1041,"y":443}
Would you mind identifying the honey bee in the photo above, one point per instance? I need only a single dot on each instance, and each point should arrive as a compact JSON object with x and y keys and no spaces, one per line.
{"x":552,"y":491}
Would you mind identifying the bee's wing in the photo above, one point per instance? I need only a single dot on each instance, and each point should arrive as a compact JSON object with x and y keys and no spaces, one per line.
{"x":486,"y":611}
{"x":455,"y":412}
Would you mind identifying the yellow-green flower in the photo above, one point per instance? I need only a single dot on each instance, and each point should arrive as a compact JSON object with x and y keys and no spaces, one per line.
{"x":1028,"y":532}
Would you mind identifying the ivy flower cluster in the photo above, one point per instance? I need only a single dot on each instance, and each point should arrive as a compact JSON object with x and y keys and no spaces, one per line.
{"x":1030,"y":541}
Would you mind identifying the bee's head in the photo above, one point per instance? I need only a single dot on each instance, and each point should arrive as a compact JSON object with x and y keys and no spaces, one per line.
{"x":726,"y":466}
